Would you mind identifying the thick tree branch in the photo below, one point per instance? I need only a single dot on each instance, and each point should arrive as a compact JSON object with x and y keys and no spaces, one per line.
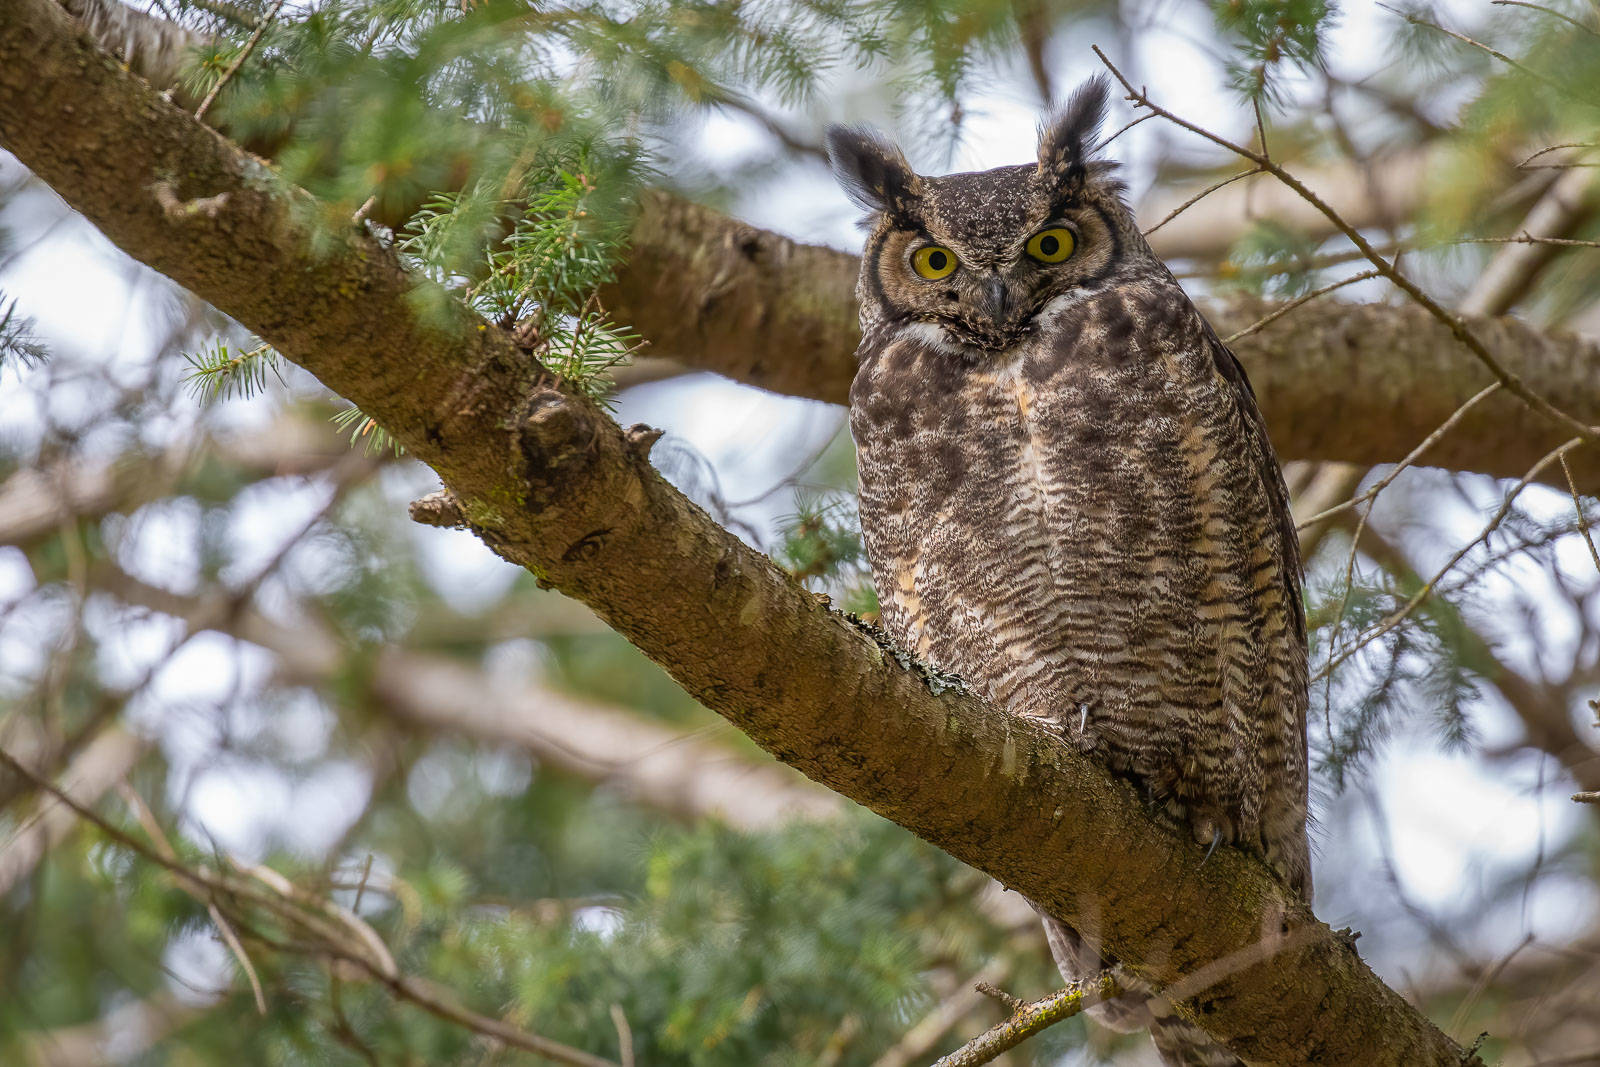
{"x":554,"y":485}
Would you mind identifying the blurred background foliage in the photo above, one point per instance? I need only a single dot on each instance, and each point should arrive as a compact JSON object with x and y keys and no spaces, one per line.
{"x":219,"y":632}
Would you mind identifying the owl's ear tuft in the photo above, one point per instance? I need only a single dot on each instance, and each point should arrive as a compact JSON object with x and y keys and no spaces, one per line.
{"x":1066,"y":138}
{"x":874,"y":173}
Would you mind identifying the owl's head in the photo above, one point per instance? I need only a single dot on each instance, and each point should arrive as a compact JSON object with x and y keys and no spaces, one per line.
{"x":981,"y":256}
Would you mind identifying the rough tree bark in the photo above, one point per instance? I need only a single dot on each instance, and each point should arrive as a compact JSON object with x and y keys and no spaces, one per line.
{"x":554,"y":485}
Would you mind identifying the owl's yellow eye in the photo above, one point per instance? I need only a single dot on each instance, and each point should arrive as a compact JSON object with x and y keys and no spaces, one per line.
{"x":933,"y":262}
{"x":1052,"y":245}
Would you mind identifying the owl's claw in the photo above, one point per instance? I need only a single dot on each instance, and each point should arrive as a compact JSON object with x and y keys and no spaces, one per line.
{"x":1083,"y":717}
{"x":1216,"y":838}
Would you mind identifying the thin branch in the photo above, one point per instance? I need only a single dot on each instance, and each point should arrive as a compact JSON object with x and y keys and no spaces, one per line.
{"x":1557,"y":148}
{"x":1411,"y":457}
{"x":1464,"y":1011}
{"x":238,"y":61}
{"x":619,"y":1019}
{"x":231,"y":939}
{"x":1298,"y":264}
{"x":380,"y":967}
{"x":1525,"y":239}
{"x":228,"y":12}
{"x":1197,"y":197}
{"x":1423,"y":593}
{"x":921,"y":1038}
{"x":1417,"y":20}
{"x":1291,"y":305}
{"x":1548,"y":11}
{"x":1122,"y":130}
{"x":1583,"y":520}
{"x":102,"y":764}
{"x":1031,"y":1018}
{"x":158,"y":836}
{"x":1457,"y":326}
{"x":436,"y":1001}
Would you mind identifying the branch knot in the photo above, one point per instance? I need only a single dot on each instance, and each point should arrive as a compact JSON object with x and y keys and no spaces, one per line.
{"x":439,"y":508}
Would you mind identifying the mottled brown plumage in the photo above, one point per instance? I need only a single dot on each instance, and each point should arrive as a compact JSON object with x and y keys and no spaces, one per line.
{"x":1068,"y":497}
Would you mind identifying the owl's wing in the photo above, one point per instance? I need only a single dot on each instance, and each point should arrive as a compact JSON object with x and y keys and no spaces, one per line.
{"x":1262,"y":453}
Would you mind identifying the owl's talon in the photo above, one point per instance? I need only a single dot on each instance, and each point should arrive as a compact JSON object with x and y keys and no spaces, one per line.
{"x":1216,"y":838}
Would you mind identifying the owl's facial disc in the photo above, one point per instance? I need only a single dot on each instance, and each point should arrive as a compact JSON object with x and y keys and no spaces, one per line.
{"x":983,"y":285}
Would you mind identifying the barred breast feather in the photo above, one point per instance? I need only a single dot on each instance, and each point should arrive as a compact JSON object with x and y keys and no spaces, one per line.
{"x":1091,"y":529}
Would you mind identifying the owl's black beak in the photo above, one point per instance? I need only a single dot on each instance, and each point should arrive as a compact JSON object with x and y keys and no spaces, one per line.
{"x":996,"y":298}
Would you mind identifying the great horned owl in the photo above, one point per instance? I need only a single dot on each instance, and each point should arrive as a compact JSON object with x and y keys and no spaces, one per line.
{"x":1069,"y":499}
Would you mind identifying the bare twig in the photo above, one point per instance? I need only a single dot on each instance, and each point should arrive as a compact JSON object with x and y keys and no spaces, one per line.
{"x":436,"y":1001}
{"x":163,"y":844}
{"x":1197,"y":197}
{"x":238,"y":61}
{"x":1304,"y":263}
{"x":736,"y":102}
{"x":1526,"y":239}
{"x":289,"y":903}
{"x":103,"y":763}
{"x":993,"y":992}
{"x":1557,"y":148}
{"x":1411,"y":457}
{"x":1031,"y":1018}
{"x":1583,"y":520}
{"x":231,"y":939}
{"x":921,"y":1039}
{"x":1548,"y":11}
{"x":1457,"y":326}
{"x":1587,"y":798}
{"x":619,"y":1019}
{"x":1417,"y":20}
{"x":1464,"y":1011}
{"x":1280,"y":312}
{"x":1423,"y":593}
{"x":1123,"y":129}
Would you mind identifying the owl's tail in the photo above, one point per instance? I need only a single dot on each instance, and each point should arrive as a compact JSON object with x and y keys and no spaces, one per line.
{"x":1180,"y":1043}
